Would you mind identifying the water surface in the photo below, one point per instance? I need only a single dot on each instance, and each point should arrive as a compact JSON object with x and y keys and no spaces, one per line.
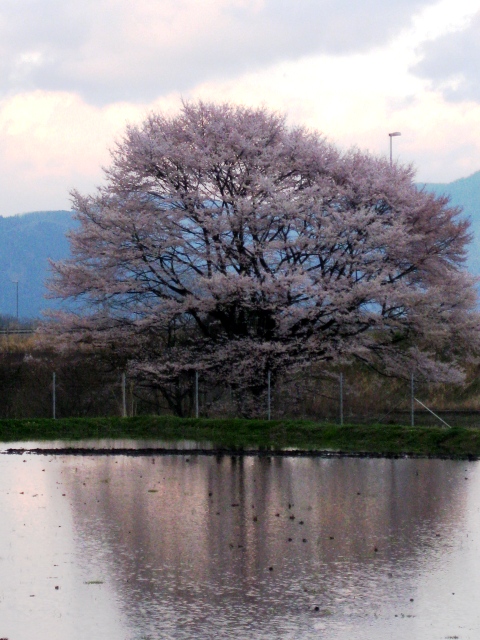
{"x":183,"y":546}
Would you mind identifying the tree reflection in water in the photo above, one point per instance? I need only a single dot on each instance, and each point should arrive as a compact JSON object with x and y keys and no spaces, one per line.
{"x":247,"y":547}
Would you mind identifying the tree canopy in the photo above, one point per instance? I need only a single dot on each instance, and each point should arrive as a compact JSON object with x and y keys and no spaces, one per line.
{"x":225,"y":241}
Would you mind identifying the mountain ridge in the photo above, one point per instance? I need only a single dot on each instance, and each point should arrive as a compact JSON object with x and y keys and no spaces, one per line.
{"x":464,"y":193}
{"x":27,"y":242}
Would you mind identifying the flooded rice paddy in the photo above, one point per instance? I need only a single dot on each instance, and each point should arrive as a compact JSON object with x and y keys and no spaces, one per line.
{"x":188,"y":546}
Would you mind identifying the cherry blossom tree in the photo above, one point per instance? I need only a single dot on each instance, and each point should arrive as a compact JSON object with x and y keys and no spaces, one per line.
{"x":224,"y":241}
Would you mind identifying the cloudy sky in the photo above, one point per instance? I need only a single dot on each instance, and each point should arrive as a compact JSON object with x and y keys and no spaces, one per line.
{"x":73,"y":74}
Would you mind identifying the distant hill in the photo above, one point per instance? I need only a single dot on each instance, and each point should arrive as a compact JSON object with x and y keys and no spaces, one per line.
{"x":465,"y":193}
{"x":27,"y":241}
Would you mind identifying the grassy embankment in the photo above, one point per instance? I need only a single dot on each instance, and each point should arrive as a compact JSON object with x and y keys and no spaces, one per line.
{"x":237,"y":433}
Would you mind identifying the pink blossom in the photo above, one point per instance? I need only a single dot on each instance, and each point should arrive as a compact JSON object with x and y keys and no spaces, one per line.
{"x":226,"y":242}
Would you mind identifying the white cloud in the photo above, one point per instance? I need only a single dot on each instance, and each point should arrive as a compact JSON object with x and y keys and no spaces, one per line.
{"x":54,"y":140}
{"x":451,"y":62}
{"x":357,"y":100}
{"x":110,"y":50}
{"x":51,"y":143}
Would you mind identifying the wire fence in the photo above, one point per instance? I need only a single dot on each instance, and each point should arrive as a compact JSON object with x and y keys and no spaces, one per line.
{"x":352,"y":396}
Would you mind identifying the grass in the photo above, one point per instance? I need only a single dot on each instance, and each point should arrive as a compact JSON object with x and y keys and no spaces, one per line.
{"x":238,"y":434}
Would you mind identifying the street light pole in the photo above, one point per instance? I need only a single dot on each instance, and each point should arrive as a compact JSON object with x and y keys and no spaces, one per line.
{"x":393,"y":135}
{"x":15,"y":282}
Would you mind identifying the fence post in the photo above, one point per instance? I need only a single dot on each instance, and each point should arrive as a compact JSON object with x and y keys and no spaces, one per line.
{"x":341,"y":399}
{"x":124,"y":396}
{"x":54,"y":397}
{"x":412,"y":400}
{"x":196,"y":395}
{"x":132,"y":401}
{"x":269,"y":396}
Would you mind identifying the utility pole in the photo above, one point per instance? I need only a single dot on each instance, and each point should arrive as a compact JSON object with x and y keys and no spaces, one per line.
{"x":15,"y":282}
